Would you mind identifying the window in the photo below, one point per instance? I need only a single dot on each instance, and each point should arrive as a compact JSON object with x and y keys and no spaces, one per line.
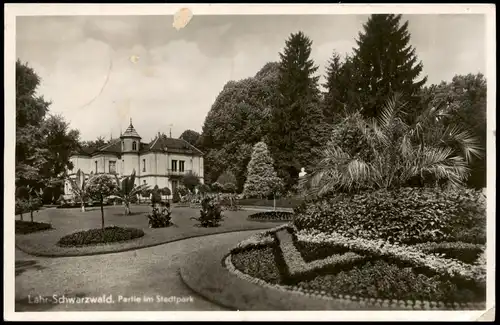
{"x":134,"y":145}
{"x":144,"y":182}
{"x":174,"y":165}
{"x":181,"y":165}
{"x":144,"y":165}
{"x":96,"y":166}
{"x":112,"y":167}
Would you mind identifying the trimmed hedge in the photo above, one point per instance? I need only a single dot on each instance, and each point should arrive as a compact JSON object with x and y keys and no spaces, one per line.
{"x":98,"y":236}
{"x":271,"y":216}
{"x":27,"y":227}
{"x":382,"y":280}
{"x":464,"y":252}
{"x":408,"y":215}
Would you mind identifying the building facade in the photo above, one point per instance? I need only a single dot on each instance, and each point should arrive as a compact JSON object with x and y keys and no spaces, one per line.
{"x":163,"y":161}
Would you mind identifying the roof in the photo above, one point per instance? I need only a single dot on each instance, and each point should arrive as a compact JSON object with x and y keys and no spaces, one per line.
{"x":159,"y":144}
{"x":130,"y":132}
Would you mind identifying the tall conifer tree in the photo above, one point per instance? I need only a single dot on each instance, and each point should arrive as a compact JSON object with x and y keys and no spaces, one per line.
{"x":386,"y":63}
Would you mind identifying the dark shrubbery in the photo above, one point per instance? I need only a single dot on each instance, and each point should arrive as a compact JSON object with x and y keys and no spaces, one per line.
{"x":271,"y":216}
{"x":100,"y":236}
{"x":409,"y":215}
{"x":176,"y":197}
{"x":27,"y":227}
{"x":258,"y":263}
{"x":160,"y":218}
{"x":210,"y":213}
{"x":465,"y":252}
{"x":382,"y":280}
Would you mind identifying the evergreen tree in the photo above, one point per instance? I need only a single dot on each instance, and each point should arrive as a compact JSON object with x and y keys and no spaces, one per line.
{"x":332,"y":101}
{"x":262,"y":179}
{"x":296,"y":122}
{"x":386,"y":64}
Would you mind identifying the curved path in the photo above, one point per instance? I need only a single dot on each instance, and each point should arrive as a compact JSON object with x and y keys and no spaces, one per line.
{"x":147,"y":272}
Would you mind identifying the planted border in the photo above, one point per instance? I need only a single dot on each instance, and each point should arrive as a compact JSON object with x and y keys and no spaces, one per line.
{"x":271,"y":216}
{"x":100,"y":236}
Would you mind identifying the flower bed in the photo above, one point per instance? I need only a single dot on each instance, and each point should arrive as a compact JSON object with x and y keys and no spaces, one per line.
{"x":271,"y":216}
{"x":99,"y":236}
{"x":27,"y":227}
{"x":369,"y":271}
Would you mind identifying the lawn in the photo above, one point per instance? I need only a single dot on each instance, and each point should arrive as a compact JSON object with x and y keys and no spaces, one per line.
{"x":67,"y":221}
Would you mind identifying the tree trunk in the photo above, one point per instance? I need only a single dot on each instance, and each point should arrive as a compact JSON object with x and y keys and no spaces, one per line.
{"x":31,"y":215}
{"x":102,"y":213}
{"x":21,"y":216}
{"x":127,"y":209}
{"x":274,"y":201}
{"x":83,"y":206}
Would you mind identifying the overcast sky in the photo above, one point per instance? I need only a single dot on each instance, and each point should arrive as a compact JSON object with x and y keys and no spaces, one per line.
{"x":179,"y":74}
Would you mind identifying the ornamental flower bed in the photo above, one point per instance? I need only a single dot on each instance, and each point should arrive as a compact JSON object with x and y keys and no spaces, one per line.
{"x":271,"y":216}
{"x":369,"y":272}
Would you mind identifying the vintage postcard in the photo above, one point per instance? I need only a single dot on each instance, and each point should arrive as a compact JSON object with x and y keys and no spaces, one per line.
{"x":249,"y":162}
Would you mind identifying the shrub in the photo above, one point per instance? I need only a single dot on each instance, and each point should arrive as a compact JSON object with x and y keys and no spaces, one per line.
{"x":27,"y":227}
{"x":100,"y":236}
{"x":176,"y":197}
{"x":464,"y":252}
{"x":258,"y":263}
{"x":160,"y":218}
{"x":271,"y":216}
{"x":210,"y":213}
{"x":408,"y":215}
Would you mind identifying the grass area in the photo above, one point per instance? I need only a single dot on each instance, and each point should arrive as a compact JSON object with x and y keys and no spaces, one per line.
{"x":68,"y":221}
{"x":100,"y":236}
{"x":28,"y":227}
{"x":280,"y":203}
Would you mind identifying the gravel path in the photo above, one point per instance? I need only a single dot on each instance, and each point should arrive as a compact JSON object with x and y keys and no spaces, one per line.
{"x":148,"y":272}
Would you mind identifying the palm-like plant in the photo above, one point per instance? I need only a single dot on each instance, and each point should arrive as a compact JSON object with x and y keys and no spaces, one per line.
{"x":127,"y":190}
{"x":79,"y":188}
{"x":394,"y":153}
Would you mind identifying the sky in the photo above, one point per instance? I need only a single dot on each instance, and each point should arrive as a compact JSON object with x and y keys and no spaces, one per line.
{"x":101,"y":71}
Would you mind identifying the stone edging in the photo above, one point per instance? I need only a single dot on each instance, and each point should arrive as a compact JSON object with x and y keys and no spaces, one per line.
{"x":362,"y":302}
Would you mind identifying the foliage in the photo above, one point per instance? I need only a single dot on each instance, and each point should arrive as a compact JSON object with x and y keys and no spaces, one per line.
{"x":464,"y":100}
{"x":236,"y":121}
{"x":79,"y":187}
{"x":227,"y":177}
{"x":160,"y":218}
{"x":210,"y":213}
{"x":27,"y":200}
{"x":26,"y":227}
{"x":155,"y":196}
{"x":382,"y":280}
{"x":176,"y":197}
{"x":262,"y":180}
{"x":296,"y":124}
{"x":229,"y":188}
{"x":217,"y":187}
{"x":465,"y":252}
{"x":190,"y":136}
{"x":271,"y":216}
{"x":203,"y":189}
{"x":409,"y":215}
{"x":385,"y":63}
{"x":190,"y":180}
{"x":388,"y":153}
{"x":165,"y":191}
{"x":99,"y":187}
{"x":100,"y":236}
{"x":127,"y":190}
{"x":43,"y":143}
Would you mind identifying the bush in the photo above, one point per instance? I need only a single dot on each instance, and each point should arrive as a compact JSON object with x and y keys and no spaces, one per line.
{"x":210,"y":213}
{"x":271,"y":216}
{"x":100,"y":236}
{"x":464,"y":252}
{"x":27,"y":227}
{"x":160,"y":218}
{"x":176,"y":197}
{"x":409,"y":215}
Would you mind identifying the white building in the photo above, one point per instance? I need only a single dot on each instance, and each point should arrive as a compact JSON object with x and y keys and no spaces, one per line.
{"x":161,"y":162}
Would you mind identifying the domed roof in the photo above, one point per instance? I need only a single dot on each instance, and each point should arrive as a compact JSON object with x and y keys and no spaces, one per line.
{"x":130,"y":132}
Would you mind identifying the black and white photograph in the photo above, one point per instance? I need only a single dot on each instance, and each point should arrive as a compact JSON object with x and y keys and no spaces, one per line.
{"x":321,"y":162}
